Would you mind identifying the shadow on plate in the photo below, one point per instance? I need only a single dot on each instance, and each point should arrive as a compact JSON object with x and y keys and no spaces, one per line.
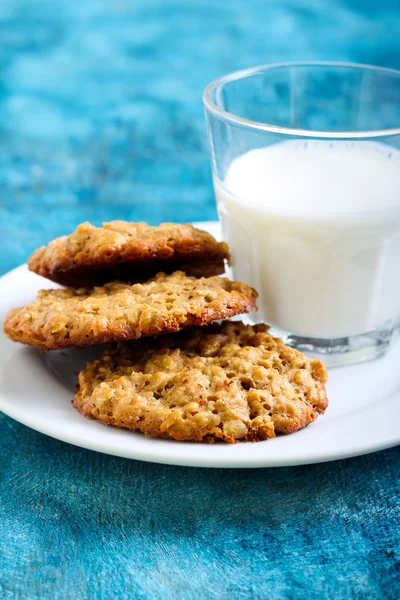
{"x":66,"y":364}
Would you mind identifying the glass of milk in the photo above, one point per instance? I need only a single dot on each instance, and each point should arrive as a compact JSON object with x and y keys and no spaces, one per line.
{"x":306,"y":169}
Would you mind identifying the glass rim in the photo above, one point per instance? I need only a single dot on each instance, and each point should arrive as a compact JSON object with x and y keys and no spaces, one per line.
{"x":241,"y":74}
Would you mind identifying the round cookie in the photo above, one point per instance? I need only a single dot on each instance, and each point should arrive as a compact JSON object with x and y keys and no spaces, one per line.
{"x":66,"y":318}
{"x":227,"y":382}
{"x":134,"y":252}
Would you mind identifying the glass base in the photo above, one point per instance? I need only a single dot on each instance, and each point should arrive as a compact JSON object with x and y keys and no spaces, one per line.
{"x":338,"y":352}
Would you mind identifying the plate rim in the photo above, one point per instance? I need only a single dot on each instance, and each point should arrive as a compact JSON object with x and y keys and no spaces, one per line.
{"x":235,"y":463}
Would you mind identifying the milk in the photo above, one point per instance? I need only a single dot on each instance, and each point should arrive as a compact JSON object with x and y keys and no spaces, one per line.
{"x":315,"y":228}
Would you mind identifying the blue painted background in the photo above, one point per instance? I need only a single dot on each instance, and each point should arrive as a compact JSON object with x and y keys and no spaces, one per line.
{"x":100,"y":118}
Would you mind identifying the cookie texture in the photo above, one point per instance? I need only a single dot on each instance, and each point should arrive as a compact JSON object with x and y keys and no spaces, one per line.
{"x":227,"y":382}
{"x":134,"y":252}
{"x":65,"y":318}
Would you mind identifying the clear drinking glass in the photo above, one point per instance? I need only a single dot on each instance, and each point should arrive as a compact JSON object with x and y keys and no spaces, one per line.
{"x":306,"y":169}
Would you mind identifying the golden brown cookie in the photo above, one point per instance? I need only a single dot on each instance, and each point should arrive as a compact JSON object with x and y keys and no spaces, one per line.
{"x":227,"y":381}
{"x":134,"y":252}
{"x":118,"y":311}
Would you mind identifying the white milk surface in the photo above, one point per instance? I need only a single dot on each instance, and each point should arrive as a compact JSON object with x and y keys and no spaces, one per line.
{"x":315,"y":228}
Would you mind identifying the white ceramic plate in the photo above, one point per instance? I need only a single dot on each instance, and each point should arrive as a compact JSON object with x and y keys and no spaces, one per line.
{"x":36,"y":390}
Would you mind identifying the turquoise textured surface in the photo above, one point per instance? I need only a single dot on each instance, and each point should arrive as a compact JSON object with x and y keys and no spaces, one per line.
{"x":100,"y":118}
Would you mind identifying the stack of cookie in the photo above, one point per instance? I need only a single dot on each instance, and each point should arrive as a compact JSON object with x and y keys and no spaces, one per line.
{"x":202,"y":381}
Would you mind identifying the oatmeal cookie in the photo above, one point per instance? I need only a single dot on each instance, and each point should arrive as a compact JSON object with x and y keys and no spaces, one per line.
{"x":65,"y":318}
{"x":227,"y":381}
{"x":131,"y":252}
